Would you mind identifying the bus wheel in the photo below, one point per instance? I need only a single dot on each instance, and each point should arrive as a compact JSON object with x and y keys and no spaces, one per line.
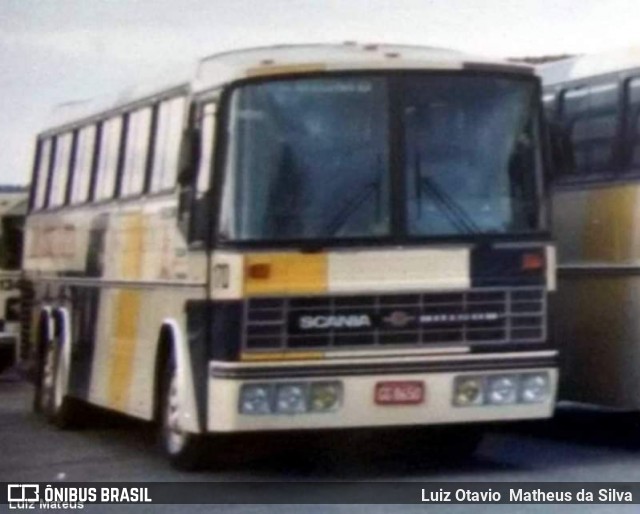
{"x":185,"y":450}
{"x":58,"y":408}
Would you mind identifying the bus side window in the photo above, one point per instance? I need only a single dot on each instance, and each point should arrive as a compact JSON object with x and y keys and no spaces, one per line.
{"x":167,"y":144}
{"x":562,"y":154}
{"x":61,"y":170}
{"x":82,"y":167}
{"x":138,"y":134}
{"x":41,"y":173}
{"x":108,"y":158}
{"x":561,"y":148}
{"x":196,"y":161}
{"x":590,"y":115}
{"x":632,"y":128}
{"x":50,"y":167}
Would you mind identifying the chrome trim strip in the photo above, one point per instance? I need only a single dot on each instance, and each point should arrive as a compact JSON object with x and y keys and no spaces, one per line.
{"x":96,"y":282}
{"x":412,"y":358}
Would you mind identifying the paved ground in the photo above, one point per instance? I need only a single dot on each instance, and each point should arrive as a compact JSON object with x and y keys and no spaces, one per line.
{"x":578,"y":446}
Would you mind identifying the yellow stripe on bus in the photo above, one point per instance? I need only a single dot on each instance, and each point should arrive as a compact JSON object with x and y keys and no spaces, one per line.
{"x":126,"y":313}
{"x":286,"y":273}
{"x":281,"y":356}
{"x":123,"y":346}
{"x":133,"y":246}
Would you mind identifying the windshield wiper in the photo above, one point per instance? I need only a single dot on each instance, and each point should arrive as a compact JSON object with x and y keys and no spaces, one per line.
{"x":353,"y":205}
{"x":343,"y":215}
{"x":454,"y":212}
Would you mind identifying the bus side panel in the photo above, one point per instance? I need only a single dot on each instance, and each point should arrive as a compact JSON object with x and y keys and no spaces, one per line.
{"x":145,"y":250}
{"x":598,"y":331}
{"x":121,"y":271}
{"x":125,"y":356}
{"x":598,"y":300}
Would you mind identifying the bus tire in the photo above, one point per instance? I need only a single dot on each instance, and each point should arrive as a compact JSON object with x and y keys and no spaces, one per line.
{"x":186,"y":451}
{"x":58,"y":408}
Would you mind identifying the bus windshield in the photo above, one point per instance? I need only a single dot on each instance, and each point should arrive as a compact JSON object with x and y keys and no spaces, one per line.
{"x":318,"y":158}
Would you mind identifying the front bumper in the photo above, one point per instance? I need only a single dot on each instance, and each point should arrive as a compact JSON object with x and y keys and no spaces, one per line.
{"x":359,"y":408}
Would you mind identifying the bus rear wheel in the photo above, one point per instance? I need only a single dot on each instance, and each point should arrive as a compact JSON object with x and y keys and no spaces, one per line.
{"x":185,"y":450}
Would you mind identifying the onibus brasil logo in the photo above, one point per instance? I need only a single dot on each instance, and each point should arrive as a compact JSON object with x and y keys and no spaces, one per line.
{"x":32,"y":496}
{"x":23,"y":496}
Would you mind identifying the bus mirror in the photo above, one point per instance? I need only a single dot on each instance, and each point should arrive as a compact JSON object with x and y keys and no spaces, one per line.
{"x":562,"y":157}
{"x":189,"y":156}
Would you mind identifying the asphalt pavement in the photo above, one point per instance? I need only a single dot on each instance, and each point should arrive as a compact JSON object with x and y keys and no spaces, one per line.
{"x":578,"y":445}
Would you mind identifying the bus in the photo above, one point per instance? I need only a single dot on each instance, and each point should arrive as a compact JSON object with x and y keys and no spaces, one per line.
{"x":297,"y":238}
{"x":13,"y":208}
{"x":593,"y":104}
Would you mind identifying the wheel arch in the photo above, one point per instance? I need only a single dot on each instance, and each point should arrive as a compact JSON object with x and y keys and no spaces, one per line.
{"x":61,"y":333}
{"x":173,"y":345}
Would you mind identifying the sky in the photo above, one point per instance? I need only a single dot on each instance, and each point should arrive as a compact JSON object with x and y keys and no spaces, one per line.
{"x":53,"y":51}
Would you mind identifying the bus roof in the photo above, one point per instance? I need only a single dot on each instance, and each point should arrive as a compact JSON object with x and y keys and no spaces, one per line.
{"x":579,"y":67}
{"x":216,"y":70}
{"x":77,"y":110}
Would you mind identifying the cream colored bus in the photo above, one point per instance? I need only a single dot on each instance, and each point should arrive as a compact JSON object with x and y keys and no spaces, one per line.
{"x":594,"y":101}
{"x":298,"y":238}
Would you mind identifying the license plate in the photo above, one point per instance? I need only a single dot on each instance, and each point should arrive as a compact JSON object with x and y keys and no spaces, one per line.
{"x":399,"y":393}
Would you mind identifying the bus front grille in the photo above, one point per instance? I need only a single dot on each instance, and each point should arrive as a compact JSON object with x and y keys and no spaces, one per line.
{"x":417,"y":319}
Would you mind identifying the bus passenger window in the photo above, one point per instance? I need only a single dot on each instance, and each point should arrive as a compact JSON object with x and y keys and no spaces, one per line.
{"x":632,"y":129}
{"x":61,"y":170}
{"x":82,"y":168}
{"x":42,"y":173}
{"x":108,"y":160}
{"x":136,"y":152}
{"x":590,"y":115}
{"x":167,"y":144}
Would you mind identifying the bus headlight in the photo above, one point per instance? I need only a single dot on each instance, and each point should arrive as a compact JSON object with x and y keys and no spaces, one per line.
{"x":255,"y":399}
{"x":502,"y":389}
{"x":291,"y":398}
{"x":468,"y":391}
{"x":325,"y":396}
{"x":535,"y":387}
{"x":498,"y":389}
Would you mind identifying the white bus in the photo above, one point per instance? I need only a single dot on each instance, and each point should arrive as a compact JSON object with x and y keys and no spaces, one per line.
{"x":594,"y":102}
{"x":298,"y":237}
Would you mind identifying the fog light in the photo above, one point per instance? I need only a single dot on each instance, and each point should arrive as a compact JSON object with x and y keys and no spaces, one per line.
{"x":468,"y":391}
{"x":325,"y":396}
{"x":255,"y":399}
{"x":502,"y":389}
{"x":534,"y":388}
{"x":291,"y":398}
